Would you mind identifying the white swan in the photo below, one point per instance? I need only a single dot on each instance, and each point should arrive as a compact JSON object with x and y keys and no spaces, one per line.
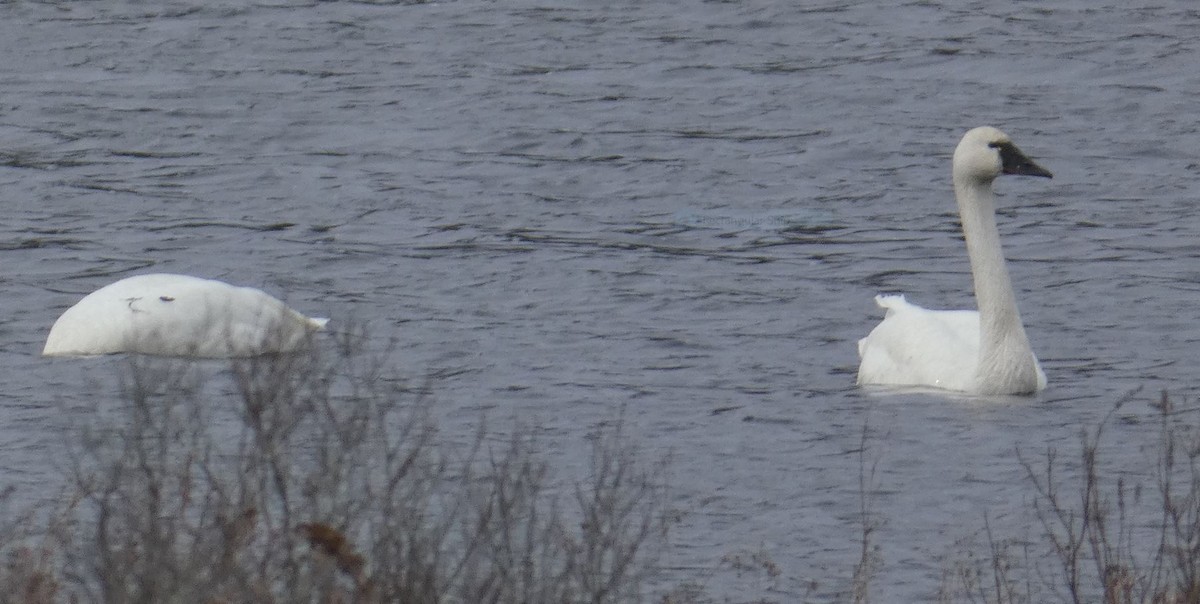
{"x":178,"y":315}
{"x":981,"y":352}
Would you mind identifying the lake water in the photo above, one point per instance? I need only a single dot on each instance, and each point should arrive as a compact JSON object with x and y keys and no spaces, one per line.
{"x":679,"y":208}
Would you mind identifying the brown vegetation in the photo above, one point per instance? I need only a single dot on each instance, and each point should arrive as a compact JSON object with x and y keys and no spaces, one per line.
{"x":1095,"y":543}
{"x":321,"y":478}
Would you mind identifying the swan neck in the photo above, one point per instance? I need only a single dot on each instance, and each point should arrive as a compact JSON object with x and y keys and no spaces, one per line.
{"x":993,"y":287}
{"x":1004,"y":352}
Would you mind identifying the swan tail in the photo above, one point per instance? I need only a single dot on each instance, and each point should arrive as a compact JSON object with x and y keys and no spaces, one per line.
{"x":892,"y":303}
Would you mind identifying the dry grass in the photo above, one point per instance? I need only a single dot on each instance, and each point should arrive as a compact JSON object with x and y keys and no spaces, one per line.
{"x":870,"y":558}
{"x":1101,"y":540}
{"x":319,"y":477}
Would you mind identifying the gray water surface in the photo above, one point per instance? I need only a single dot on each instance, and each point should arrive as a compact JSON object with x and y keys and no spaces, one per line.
{"x":679,"y":208}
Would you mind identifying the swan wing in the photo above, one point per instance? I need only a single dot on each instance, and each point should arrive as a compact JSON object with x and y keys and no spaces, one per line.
{"x":178,"y":315}
{"x":914,"y":346}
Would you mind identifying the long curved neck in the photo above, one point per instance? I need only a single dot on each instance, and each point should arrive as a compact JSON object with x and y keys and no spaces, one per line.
{"x":1006,"y":361}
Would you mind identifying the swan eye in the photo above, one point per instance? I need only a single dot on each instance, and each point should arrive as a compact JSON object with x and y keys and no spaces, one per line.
{"x":166,"y":298}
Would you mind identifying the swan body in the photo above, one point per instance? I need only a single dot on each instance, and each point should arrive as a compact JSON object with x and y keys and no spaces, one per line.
{"x":984,"y":351}
{"x":178,"y":315}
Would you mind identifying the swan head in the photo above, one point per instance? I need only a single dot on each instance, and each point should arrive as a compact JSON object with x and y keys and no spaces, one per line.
{"x":985,"y":153}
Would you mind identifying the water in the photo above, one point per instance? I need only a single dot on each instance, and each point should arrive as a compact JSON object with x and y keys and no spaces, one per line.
{"x":682,"y":208}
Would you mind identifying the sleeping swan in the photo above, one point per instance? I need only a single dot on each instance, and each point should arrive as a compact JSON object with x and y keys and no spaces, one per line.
{"x":178,"y":315}
{"x":981,"y":352}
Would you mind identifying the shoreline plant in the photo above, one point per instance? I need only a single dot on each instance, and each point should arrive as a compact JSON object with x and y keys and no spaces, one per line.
{"x":321,"y":477}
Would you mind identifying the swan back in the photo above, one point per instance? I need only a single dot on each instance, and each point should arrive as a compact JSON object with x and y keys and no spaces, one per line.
{"x":914,"y":346}
{"x":178,"y":315}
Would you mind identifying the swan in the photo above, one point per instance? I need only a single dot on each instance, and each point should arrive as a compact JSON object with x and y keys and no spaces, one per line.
{"x":178,"y":315}
{"x":979,"y":352}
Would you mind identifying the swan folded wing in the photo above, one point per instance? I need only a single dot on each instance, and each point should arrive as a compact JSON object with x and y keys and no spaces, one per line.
{"x":80,"y":332}
{"x":178,"y":315}
{"x":914,"y":346}
{"x":235,"y":322}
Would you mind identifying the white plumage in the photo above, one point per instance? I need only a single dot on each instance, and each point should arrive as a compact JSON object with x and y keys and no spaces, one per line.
{"x":178,"y":315}
{"x":984,"y":351}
